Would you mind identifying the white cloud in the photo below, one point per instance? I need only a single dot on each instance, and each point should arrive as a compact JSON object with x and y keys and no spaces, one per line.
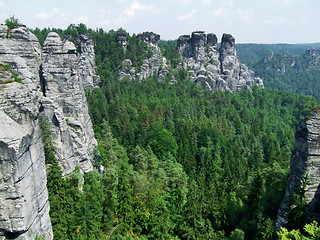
{"x":245,"y":15}
{"x":3,"y":5}
{"x":180,"y":1}
{"x":46,"y":16}
{"x":228,"y":3}
{"x":81,"y":19}
{"x":132,"y":10}
{"x":206,"y":1}
{"x":220,"y":12}
{"x":187,"y":16}
{"x":276,"y":21}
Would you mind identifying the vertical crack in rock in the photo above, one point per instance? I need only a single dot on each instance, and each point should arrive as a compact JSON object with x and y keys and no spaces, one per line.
{"x":42,"y":81}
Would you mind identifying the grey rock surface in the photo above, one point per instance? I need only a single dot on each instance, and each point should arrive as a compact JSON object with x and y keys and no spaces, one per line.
{"x":156,"y":64}
{"x":64,"y":76}
{"x":53,"y":81}
{"x":24,"y":207}
{"x":149,"y":37}
{"x":86,"y":63}
{"x":305,"y":160}
{"x":219,"y":68}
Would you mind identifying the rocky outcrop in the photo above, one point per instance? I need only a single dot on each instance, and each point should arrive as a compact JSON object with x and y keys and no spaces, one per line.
{"x":207,"y":65}
{"x":312,"y":59}
{"x":149,"y":37}
{"x":215,"y":68}
{"x":24,"y":207}
{"x":156,"y":64}
{"x":86,"y":63}
{"x":64,"y":103}
{"x":305,"y":160}
{"x":122,"y":39}
{"x":52,"y":85}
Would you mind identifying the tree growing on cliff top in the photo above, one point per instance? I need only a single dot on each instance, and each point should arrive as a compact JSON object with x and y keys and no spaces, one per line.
{"x":12,"y":22}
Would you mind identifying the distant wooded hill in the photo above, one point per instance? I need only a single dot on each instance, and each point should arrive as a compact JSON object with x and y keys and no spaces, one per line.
{"x":290,"y":67}
{"x":250,"y":53}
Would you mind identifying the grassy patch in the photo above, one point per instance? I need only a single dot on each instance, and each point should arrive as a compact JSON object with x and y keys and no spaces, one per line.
{"x":14,"y":74}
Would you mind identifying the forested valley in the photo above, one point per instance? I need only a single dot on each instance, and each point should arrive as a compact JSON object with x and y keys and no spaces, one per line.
{"x":175,"y":161}
{"x":293,"y":68}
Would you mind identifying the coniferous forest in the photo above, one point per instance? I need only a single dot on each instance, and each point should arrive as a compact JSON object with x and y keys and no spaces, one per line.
{"x":178,"y":162}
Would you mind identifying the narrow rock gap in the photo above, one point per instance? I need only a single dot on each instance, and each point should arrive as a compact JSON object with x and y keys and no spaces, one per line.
{"x":42,"y":81}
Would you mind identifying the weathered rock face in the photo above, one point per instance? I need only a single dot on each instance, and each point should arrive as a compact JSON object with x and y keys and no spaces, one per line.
{"x":86,"y":63}
{"x":122,"y":39}
{"x":155,"y":64}
{"x":312,"y":59}
{"x":53,"y":81}
{"x":215,"y":68}
{"x":149,"y":37}
{"x":305,"y":160}
{"x":63,"y":78}
{"x":24,"y":207}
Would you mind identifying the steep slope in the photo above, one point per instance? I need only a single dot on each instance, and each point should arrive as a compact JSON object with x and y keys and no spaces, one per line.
{"x":65,"y":104}
{"x":305,"y":160}
{"x":297,"y":74}
{"x":52,"y":85}
{"x":24,"y":203}
{"x":212,"y":67}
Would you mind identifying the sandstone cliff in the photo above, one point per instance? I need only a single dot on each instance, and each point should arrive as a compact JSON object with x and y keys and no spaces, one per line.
{"x":64,"y":103}
{"x":156,"y":64}
{"x":24,"y":207}
{"x":212,"y":67}
{"x":305,"y":160}
{"x":52,"y":85}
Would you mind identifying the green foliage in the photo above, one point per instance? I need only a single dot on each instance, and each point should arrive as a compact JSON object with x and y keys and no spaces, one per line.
{"x":14,"y":74}
{"x":39,"y":238}
{"x":234,"y":155}
{"x":297,"y":204}
{"x":47,"y":142}
{"x":250,"y":53}
{"x":169,"y":51}
{"x":162,"y":142}
{"x":12,"y":23}
{"x":237,"y":234}
{"x":296,"y":74}
{"x":176,"y":162}
{"x":311,"y":232}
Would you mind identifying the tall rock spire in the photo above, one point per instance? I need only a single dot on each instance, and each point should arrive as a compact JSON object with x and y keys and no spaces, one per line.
{"x":215,"y":68}
{"x":305,"y":161}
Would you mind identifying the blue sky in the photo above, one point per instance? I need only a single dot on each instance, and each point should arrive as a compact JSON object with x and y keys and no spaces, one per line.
{"x":256,"y":21}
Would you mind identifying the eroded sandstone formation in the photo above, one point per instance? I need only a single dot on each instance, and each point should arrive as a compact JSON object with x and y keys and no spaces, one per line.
{"x":305,"y":161}
{"x":52,"y":85}
{"x":65,"y":105}
{"x":156,"y":64}
{"x":212,"y":67}
{"x":24,"y":207}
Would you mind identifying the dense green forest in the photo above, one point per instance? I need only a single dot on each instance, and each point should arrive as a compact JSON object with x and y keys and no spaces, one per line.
{"x":296,"y":74}
{"x":250,"y":53}
{"x":177,"y":162}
